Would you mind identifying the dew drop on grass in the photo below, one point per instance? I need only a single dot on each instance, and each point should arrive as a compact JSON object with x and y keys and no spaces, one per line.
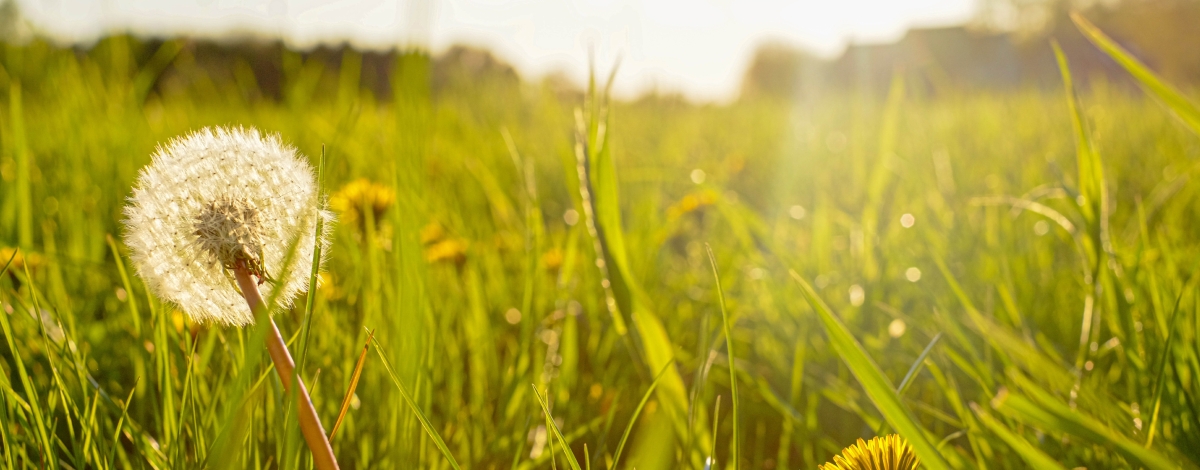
{"x":1041,"y":228}
{"x":797,"y":212}
{"x":571,"y":217}
{"x":897,"y":328}
{"x":913,"y":274}
{"x":907,"y":220}
{"x":698,"y":176}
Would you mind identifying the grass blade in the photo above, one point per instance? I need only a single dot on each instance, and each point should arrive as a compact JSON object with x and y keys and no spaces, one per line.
{"x":712,"y":451}
{"x":316,"y":269}
{"x":1051,"y":415}
{"x":1172,"y":98}
{"x":133,"y":308}
{"x":1032,"y":455}
{"x":557,"y":432}
{"x":1162,"y":373}
{"x":633,"y":419}
{"x":1091,"y":174}
{"x":874,"y":383}
{"x":433,"y":434}
{"x":712,"y":260}
{"x":358,"y":368}
{"x":9,"y":262}
{"x":912,"y":371}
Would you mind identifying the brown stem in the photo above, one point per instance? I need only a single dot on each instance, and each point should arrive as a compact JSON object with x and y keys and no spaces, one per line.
{"x":310,"y":423}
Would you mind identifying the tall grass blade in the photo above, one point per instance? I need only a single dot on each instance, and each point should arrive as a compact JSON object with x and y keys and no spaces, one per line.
{"x":1051,"y":415}
{"x":358,"y":368}
{"x":916,"y":366}
{"x":881,"y":174}
{"x":1159,"y":380}
{"x":1091,"y":173}
{"x":433,"y":434}
{"x":624,"y":298}
{"x":1171,"y":97}
{"x":712,"y":451}
{"x":39,"y":418}
{"x":133,"y":307}
{"x":20,"y":150}
{"x":873,"y":382}
{"x":1031,"y":454}
{"x":733,"y":389}
{"x":633,"y":419}
{"x":316,"y":269}
{"x":8,"y":263}
{"x":562,"y":441}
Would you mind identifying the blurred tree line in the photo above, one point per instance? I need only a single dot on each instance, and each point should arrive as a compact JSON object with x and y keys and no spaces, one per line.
{"x":1007,"y":46}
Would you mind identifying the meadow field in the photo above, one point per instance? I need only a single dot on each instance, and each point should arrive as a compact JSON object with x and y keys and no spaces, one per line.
{"x":526,"y":276}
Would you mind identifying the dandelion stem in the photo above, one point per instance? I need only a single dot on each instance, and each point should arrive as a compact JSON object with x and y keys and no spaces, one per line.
{"x":310,"y":423}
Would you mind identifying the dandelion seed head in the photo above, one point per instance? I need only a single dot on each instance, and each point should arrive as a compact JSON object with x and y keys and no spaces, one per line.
{"x":215,"y":200}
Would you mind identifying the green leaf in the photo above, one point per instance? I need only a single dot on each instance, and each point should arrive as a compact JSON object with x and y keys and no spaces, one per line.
{"x":874,"y":383}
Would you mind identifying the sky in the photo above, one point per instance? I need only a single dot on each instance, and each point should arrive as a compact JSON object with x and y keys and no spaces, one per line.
{"x":698,"y":47}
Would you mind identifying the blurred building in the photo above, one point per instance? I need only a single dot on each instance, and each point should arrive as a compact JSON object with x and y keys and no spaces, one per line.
{"x":968,"y":58}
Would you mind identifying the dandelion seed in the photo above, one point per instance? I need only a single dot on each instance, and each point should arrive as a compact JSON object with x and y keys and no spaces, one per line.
{"x":890,"y":452}
{"x":216,"y":199}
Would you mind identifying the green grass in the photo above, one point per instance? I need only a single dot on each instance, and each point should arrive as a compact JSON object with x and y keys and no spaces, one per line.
{"x":1054,"y":236}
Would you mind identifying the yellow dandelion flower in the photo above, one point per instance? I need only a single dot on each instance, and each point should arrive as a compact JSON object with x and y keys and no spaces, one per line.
{"x":329,"y":288}
{"x":692,"y":203}
{"x":20,"y":260}
{"x":432,"y":232}
{"x":453,"y":249}
{"x":890,"y":452}
{"x":553,"y":259}
{"x":358,"y":195}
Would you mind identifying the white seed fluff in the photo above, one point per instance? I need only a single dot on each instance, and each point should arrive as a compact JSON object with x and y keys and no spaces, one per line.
{"x":169,"y":220}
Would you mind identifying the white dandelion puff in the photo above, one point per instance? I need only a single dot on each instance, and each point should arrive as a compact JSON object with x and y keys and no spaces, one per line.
{"x":220,"y":199}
